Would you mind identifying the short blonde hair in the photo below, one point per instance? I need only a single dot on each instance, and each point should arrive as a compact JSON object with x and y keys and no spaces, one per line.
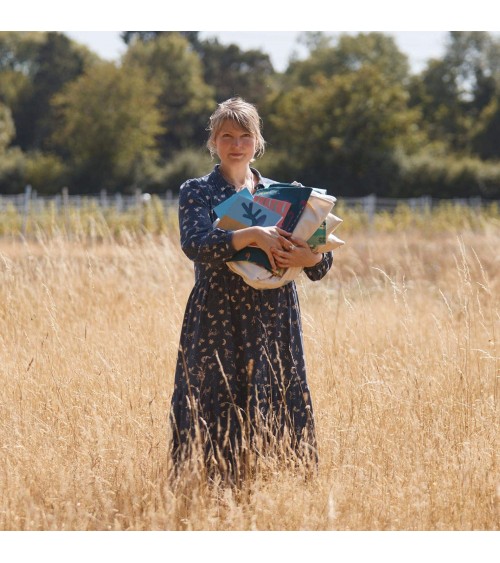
{"x":243,"y":114}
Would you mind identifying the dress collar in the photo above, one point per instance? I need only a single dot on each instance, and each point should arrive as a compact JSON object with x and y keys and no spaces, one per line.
{"x":222,"y":183}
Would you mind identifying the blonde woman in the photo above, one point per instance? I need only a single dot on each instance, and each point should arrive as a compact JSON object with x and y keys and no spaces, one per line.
{"x":240,"y":371}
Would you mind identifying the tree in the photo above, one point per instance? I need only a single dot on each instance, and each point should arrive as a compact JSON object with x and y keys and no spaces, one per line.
{"x":129,"y":37}
{"x":486,"y":136}
{"x":56,"y":63}
{"x":474,"y":58}
{"x":185,"y":100}
{"x":109,"y":123}
{"x":342,"y":132}
{"x":349,"y":54}
{"x":18,"y":53}
{"x":7,"y":129}
{"x":234,"y":72}
{"x":435,"y":92}
{"x":452,"y":92}
{"x":33,"y":67}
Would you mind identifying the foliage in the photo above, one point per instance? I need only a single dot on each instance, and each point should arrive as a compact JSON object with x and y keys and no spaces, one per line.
{"x":447,"y":176}
{"x":348,"y":116}
{"x":130,"y":37}
{"x":7,"y":128}
{"x":108,"y":127}
{"x":232,"y":71}
{"x":189,"y":163}
{"x":486,"y":133}
{"x":347,"y":55}
{"x":45,"y":172}
{"x":453,"y":91}
{"x":340,"y":132}
{"x":55,"y":63}
{"x":184,"y":99}
{"x":12,"y":171}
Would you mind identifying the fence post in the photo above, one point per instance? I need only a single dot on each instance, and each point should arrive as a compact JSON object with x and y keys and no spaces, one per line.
{"x":425,"y":203}
{"x":118,"y":202}
{"x":65,"y":206}
{"x":369,"y":206}
{"x":27,"y":198}
{"x":475,"y":201}
{"x":139,"y":206}
{"x":103,"y":199}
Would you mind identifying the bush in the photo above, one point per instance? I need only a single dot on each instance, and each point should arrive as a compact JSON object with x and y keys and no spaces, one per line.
{"x":46,"y":173}
{"x":12,"y":171}
{"x":186,"y":164}
{"x":447,"y":176}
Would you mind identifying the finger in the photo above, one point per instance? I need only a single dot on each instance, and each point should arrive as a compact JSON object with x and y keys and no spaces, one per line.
{"x":283,"y":232}
{"x":285,"y":243}
{"x":299,"y":242}
{"x":271,"y":260}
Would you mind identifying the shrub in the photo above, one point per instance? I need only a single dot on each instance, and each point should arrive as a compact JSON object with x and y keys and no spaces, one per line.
{"x":186,"y":164}
{"x":46,"y":173}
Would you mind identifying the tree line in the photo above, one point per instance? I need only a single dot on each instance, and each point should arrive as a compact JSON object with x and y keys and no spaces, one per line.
{"x":350,"y":116}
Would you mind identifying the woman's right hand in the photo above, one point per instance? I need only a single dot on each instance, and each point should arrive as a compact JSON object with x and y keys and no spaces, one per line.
{"x":266,"y":238}
{"x":272,"y":238}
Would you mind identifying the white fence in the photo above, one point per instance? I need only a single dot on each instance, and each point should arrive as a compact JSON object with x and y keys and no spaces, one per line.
{"x":30,"y":202}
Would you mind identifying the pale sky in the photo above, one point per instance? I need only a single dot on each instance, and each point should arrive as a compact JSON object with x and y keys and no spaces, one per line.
{"x":382,"y":15}
{"x":418,"y":45}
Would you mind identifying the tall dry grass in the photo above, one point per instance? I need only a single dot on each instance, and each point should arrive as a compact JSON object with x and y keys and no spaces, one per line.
{"x":402,"y":349}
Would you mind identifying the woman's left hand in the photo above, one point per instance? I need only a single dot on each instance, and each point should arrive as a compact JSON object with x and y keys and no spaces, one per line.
{"x":297,"y":254}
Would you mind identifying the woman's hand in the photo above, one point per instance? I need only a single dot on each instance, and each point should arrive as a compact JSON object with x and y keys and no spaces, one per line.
{"x":297,"y":254}
{"x":272,"y":240}
{"x":268,"y":239}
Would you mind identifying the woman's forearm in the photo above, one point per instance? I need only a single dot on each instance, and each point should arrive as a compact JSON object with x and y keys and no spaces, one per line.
{"x":243,"y":238}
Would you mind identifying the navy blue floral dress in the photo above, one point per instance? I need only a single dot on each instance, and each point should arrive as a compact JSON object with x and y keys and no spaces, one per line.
{"x":240,"y":364}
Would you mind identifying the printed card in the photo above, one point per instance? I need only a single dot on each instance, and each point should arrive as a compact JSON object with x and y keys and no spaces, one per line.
{"x":276,"y":205}
{"x":248,"y":213}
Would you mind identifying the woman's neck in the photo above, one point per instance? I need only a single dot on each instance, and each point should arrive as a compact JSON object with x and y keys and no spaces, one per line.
{"x":240,"y":177}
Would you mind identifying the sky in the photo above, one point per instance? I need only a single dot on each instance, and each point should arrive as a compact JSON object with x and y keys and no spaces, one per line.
{"x":425,"y":22}
{"x":418,"y":45}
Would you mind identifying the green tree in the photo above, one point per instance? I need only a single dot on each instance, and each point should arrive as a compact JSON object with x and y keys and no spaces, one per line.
{"x":486,"y":135}
{"x":33,"y":67}
{"x":56,"y":63}
{"x":435,"y":92}
{"x":342,"y":132}
{"x":185,"y":100}
{"x":18,"y":53}
{"x":453,"y":91}
{"x":12,"y":159}
{"x":7,"y":129}
{"x":235,"y":72}
{"x":109,"y":124}
{"x":348,"y":54}
{"x":129,"y":37}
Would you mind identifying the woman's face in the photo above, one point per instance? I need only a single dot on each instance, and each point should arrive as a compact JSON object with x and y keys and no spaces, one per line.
{"x":234,"y":144}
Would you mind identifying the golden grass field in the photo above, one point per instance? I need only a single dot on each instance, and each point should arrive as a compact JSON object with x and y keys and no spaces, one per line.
{"x":402,"y":346}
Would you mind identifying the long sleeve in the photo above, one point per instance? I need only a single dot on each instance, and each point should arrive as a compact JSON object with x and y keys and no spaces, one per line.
{"x":199,"y":240}
{"x":319,"y":271}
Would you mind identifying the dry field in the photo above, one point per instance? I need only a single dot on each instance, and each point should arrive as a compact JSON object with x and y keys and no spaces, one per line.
{"x":402,"y":344}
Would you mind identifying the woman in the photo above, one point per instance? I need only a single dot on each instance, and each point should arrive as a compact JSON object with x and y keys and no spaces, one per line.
{"x":240,"y":374}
